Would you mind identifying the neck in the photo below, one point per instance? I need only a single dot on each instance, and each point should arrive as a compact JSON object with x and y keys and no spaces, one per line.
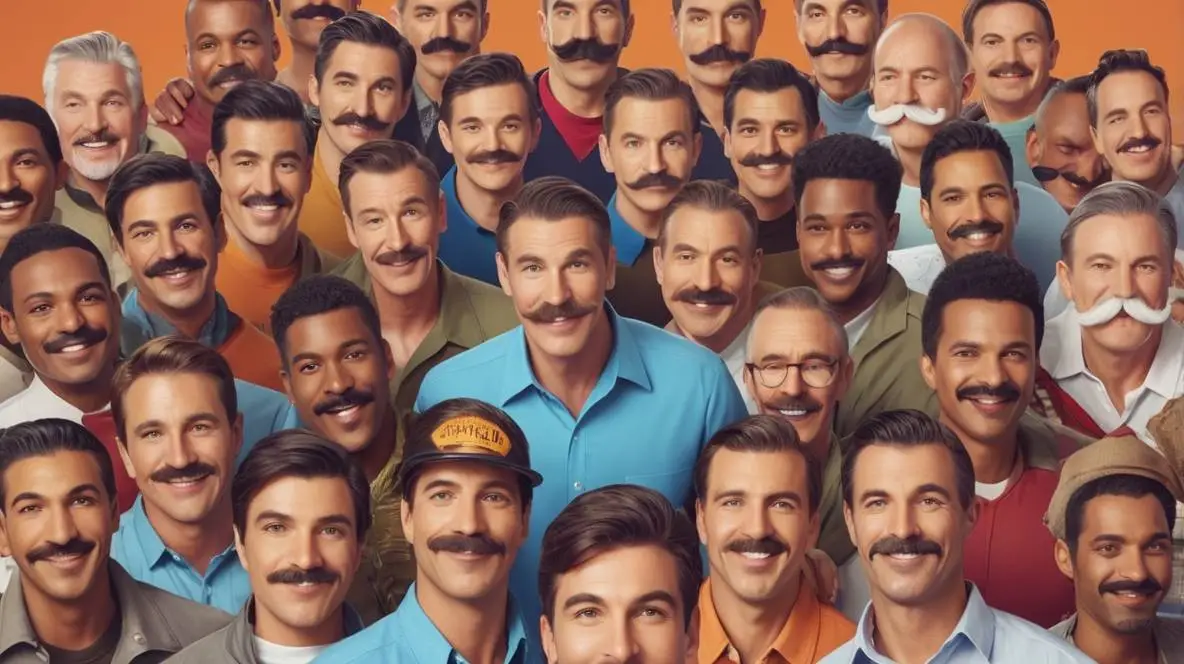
{"x":584,"y":102}
{"x":88,"y":397}
{"x":299,"y":70}
{"x":188,"y":323}
{"x":1120,"y":372}
{"x":433,"y":87}
{"x":271,"y":256}
{"x":475,"y":629}
{"x":1001,"y":112}
{"x":860,"y":302}
{"x":993,"y":459}
{"x":910,"y":162}
{"x":842,"y":89}
{"x":483,"y":205}
{"x":769,"y":209}
{"x":331,"y":630}
{"x":643,"y":221}
{"x":819,"y":448}
{"x":407,"y":319}
{"x":374,"y":457}
{"x":711,"y":103}
{"x":96,"y":188}
{"x":719,"y":342}
{"x":197,"y":543}
{"x":328,"y":153}
{"x":1164,"y":183}
{"x":73,"y":625}
{"x":915,"y":633}
{"x":753,"y":628}
{"x":1108,"y":647}
{"x":572,"y":379}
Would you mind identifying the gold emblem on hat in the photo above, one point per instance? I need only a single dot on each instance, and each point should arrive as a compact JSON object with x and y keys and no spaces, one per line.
{"x":474,"y":433}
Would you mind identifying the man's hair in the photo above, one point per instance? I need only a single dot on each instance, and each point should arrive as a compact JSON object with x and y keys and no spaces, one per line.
{"x":801,"y":298}
{"x":38,"y":239}
{"x":362,"y":27}
{"x":316,"y":295}
{"x":849,"y":157}
{"x":100,"y":48}
{"x":1120,"y":198}
{"x":1131,"y":486}
{"x":553,"y":198}
{"x":711,"y":196}
{"x":975,"y":6}
{"x":1115,"y":62}
{"x":759,"y":434}
{"x":649,"y":84}
{"x":301,"y":454}
{"x":984,"y":276}
{"x":384,"y":157}
{"x":908,"y":428}
{"x":486,"y":70}
{"x":171,"y":355}
{"x":963,"y":136}
{"x":27,"y":111}
{"x":768,"y":75}
{"x":1078,"y":85}
{"x":148,"y":170}
{"x":677,"y":5}
{"x":262,"y":101}
{"x":615,"y":517}
{"x":45,"y":437}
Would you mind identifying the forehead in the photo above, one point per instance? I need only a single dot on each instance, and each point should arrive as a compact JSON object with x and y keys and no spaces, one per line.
{"x":903,"y":469}
{"x":68,"y":267}
{"x":718,"y":5}
{"x":784,"y":103}
{"x":987,"y":320}
{"x":304,"y":498}
{"x":1118,"y":234}
{"x":1128,"y":88}
{"x":265,"y":135}
{"x":396,"y":189}
{"x":172,"y":396}
{"x":166,"y":200}
{"x":828,"y":197}
{"x":913,"y":45}
{"x":963,"y":168}
{"x":78,"y":75}
{"x":794,"y":333}
{"x":326,"y":330}
{"x":1110,"y":514}
{"x":621,"y":575}
{"x":583,"y":4}
{"x":19,"y":136}
{"x":227,"y":16}
{"x":465,"y":474}
{"x":832,"y":5}
{"x":1008,"y":17}
{"x":691,"y":224}
{"x":365,"y":60}
{"x":770,"y":472}
{"x":543,"y":237}
{"x":636,"y":115}
{"x":493,"y":99}
{"x":1065,"y":107}
{"x":52,"y":474}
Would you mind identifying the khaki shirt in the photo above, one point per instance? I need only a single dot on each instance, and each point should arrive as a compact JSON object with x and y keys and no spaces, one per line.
{"x":636,"y":293}
{"x":235,"y":643}
{"x":833,"y":537}
{"x":1169,"y":637}
{"x":784,"y":269}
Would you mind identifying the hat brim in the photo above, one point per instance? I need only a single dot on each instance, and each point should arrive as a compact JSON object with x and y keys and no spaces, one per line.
{"x":410,"y":465}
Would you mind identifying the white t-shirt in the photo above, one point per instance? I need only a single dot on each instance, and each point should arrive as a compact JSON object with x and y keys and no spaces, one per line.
{"x":858,"y":325}
{"x":272,"y":653}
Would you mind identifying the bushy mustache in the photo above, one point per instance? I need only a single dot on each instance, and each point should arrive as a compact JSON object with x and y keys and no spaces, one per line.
{"x":238,"y":72}
{"x":586,"y":49}
{"x":83,"y":336}
{"x":720,"y":53}
{"x":549,"y":313}
{"x":441,"y":44}
{"x":182,"y":263}
{"x":914,"y":545}
{"x":296,"y":576}
{"x":897,"y":112}
{"x":194,"y":471}
{"x":350,"y":397}
{"x":839,"y":45}
{"x":1105,"y":311}
{"x":972,"y":227}
{"x":478,"y":544}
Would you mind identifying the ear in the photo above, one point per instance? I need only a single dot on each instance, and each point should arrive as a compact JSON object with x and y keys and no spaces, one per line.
{"x":442,"y":206}
{"x":1060,"y":551}
{"x":1033,"y":150}
{"x":62,"y":173}
{"x":1063,"y":281}
{"x":925,"y":212}
{"x":846,"y":375}
{"x":815,"y":531}
{"x":9,"y":328}
{"x":391,"y":369}
{"x":674,"y":25}
{"x":503,"y":274}
{"x":349,"y":230}
{"x":727,"y":139}
{"x":1093,"y":132}
{"x":314,"y":92}
{"x":611,"y":277}
{"x":214,"y":166}
{"x":405,"y":521}
{"x":700,"y":524}
{"x":536,"y":134}
{"x":760,"y":23}
{"x":928,"y":371}
{"x":698,"y":150}
{"x":849,"y":520}
{"x":629,"y":23}
{"x":893,"y":230}
{"x":396,"y":17}
{"x":125,"y":456}
{"x":5,"y":549}
{"x":1054,"y":52}
{"x":548,"y":639}
{"x":606,"y":156}
{"x":542,"y":16}
{"x":750,"y":385}
{"x":692,"y":632}
{"x":484,"y":27}
{"x":967,"y":85}
{"x":238,"y":549}
{"x":819,"y":131}
{"x":276,"y":50}
{"x":757,"y":264}
{"x":286,"y":379}
{"x":445,"y":136}
{"x":658,"y":259}
{"x":1015,"y":202}
{"x":237,"y":432}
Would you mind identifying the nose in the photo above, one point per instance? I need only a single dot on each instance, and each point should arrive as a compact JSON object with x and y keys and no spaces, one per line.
{"x":8,"y":181}
{"x":991,"y":370}
{"x":585,"y":28}
{"x":793,"y":385}
{"x":756,"y":521}
{"x":444,"y":26}
{"x":656,"y":161}
{"x":1132,"y":566}
{"x":229,"y":55}
{"x":621,"y":645}
{"x":903,"y":521}
{"x":837,"y":244}
{"x":1012,"y":51}
{"x":70,"y":318}
{"x":336,"y":380}
{"x":167,"y":244}
{"x":63,"y":529}
{"x":470,"y":520}
{"x":708,"y":275}
{"x":363,"y":103}
{"x":558,"y":289}
{"x":266,"y":181}
{"x":835,"y":28}
{"x":93,"y":120}
{"x":768,"y":143}
{"x":718,"y":33}
{"x":308,"y":555}
{"x":178,"y":452}
{"x":396,"y":233}
{"x":975,"y":210}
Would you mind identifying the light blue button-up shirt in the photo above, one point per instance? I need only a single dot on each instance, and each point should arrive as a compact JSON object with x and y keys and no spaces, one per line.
{"x":466,"y":247}
{"x":138,"y":548}
{"x":982,"y":636}
{"x":626,"y":240}
{"x":408,"y":635}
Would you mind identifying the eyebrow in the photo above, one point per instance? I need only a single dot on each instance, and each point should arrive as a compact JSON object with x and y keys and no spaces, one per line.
{"x":1030,"y":33}
{"x":308,"y":355}
{"x":41,"y":295}
{"x":583,"y":598}
{"x":932,"y":488}
{"x":149,"y":223}
{"x":159,"y":424}
{"x":236,"y":36}
{"x":656,"y":596}
{"x":513,"y":117}
{"x":33,"y":495}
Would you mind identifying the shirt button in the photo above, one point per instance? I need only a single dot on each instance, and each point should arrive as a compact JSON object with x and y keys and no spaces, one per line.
{"x":138,"y":638}
{"x":579,"y":486}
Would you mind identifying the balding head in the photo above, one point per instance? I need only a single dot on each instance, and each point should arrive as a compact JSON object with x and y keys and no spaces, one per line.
{"x":909,"y":28}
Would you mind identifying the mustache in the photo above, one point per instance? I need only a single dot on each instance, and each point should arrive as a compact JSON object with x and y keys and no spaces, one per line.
{"x":1007,"y":391}
{"x":769,"y":545}
{"x":370,"y":122}
{"x":1046,"y":174}
{"x":74,"y":547}
{"x":350,"y":397}
{"x":84,"y":336}
{"x":659,"y":180}
{"x":549,"y":313}
{"x":236,"y":72}
{"x":295,"y":576}
{"x":1105,"y":311}
{"x":1011,"y":68}
{"x":839,"y":45}
{"x":319,"y":11}
{"x":182,"y":263}
{"x":1139,"y":142}
{"x":278,"y":199}
{"x":913,"y":545}
{"x":494,"y":157}
{"x":441,"y":44}
{"x":831,"y":263}
{"x":897,"y":112}
{"x":408,"y":254}
{"x":776,"y":159}
{"x":104,"y":136}
{"x":1148,"y":586}
{"x":585,"y":49}
{"x":478,"y":544}
{"x":794,"y":403}
{"x":16,"y":195}
{"x":715,"y":296}
{"x":972,"y":227}
{"x":194,"y":471}
{"x":720,"y":53}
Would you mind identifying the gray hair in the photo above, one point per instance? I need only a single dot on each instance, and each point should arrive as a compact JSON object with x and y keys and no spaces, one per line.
{"x":1123,"y":199}
{"x":799,"y":298}
{"x":959,"y":55}
{"x":98,"y":47}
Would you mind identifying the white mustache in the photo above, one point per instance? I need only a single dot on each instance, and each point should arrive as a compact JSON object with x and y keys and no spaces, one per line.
{"x":919,"y":114}
{"x":1105,"y":311}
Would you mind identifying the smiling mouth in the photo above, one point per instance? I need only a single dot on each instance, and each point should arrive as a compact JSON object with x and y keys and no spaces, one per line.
{"x":12,"y":205}
{"x":1139,"y":149}
{"x":979,"y":236}
{"x":76,"y":348}
{"x":840,"y":273}
{"x":96,"y":145}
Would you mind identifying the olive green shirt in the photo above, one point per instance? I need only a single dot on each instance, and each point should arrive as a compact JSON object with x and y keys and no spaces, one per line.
{"x":784,"y":269}
{"x":832,"y":532}
{"x":636,"y":293}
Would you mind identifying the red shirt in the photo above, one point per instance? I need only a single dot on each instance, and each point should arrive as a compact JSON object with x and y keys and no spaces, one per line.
{"x":194,"y":131}
{"x":581,"y":134}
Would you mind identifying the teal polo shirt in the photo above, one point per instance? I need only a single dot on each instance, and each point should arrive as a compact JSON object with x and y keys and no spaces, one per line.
{"x":408,"y":635}
{"x":848,"y":116}
{"x":466,"y":247}
{"x":626,"y":240}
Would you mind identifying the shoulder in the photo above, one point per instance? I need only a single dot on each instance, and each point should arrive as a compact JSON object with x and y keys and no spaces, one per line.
{"x":12,"y":409}
{"x":836,"y":628}
{"x":209,"y":648}
{"x":163,"y":142}
{"x":1036,"y":201}
{"x":252,"y":396}
{"x":493,"y":308}
{"x":844,"y":654}
{"x":1033,"y":640}
{"x":382,"y":642}
{"x":658,"y":344}
{"x":188,"y":620}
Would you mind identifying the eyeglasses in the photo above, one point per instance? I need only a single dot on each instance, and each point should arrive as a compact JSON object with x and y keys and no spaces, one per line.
{"x":815,"y":373}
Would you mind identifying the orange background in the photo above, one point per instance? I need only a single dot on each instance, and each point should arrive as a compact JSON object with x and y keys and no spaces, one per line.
{"x":29,"y":28}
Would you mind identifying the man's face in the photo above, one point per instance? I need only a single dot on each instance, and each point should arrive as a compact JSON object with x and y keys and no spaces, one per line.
{"x":179,"y":444}
{"x":395,"y":222}
{"x":556,"y":273}
{"x":361,"y":95}
{"x":844,"y":241}
{"x":29,"y":179}
{"x":171,"y":246}
{"x":264,"y":171}
{"x":65,"y":318}
{"x":57,"y":525}
{"x":305,"y":19}
{"x":491,"y":135}
{"x":652,"y":151}
{"x":1134,"y":130}
{"x":1061,"y":141}
{"x":716,"y":37}
{"x":337,"y":374}
{"x":584,"y":40}
{"x":99,"y":122}
{"x":707,"y":267}
{"x":907,"y":523}
{"x":839,"y":36}
{"x":229,"y":41}
{"x":1013,"y":54}
{"x":465,"y":525}
{"x":914,"y":66}
{"x":443,"y":32}
{"x":300,"y":546}
{"x":984,"y":370}
{"x":768,"y":129}
{"x":625,"y":601}
{"x":972,"y":206}
{"x":781,"y":337}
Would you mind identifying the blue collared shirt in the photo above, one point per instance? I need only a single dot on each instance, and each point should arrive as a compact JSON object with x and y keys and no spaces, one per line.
{"x":848,"y":116}
{"x":408,"y":635}
{"x":982,"y":636}
{"x":657,"y":402}
{"x":466,"y":247}
{"x":138,"y":548}
{"x":626,"y":240}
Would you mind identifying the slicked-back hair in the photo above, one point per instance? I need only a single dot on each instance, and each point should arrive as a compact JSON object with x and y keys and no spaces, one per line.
{"x":1115,"y":62}
{"x":711,"y":196}
{"x":649,"y":84}
{"x":148,"y":170}
{"x":363,"y":27}
{"x":486,"y":70}
{"x":766,"y":434}
{"x":981,"y":276}
{"x":767,"y":75}
{"x":802,"y":298}
{"x":100,"y":48}
{"x":27,"y":111}
{"x":1120,"y":198}
{"x":45,"y":437}
{"x":676,"y":5}
{"x":849,"y":157}
{"x":908,"y":428}
{"x":970,"y":12}
{"x":316,"y":295}
{"x":615,"y":517}
{"x":384,"y":157}
{"x":262,"y":101}
{"x":963,"y":136}
{"x":553,"y":198}
{"x":38,"y":239}
{"x":297,"y":453}
{"x":1129,"y":486}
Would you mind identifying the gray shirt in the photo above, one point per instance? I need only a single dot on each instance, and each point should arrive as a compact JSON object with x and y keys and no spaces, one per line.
{"x":1169,"y":637}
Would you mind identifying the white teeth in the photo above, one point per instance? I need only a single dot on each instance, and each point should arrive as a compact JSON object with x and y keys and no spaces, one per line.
{"x":979,"y":235}
{"x":904,"y":556}
{"x":1140,"y":149}
{"x":768,"y":167}
{"x":95,"y":145}
{"x":561,"y":319}
{"x":265,"y":208}
{"x":793,"y":413}
{"x":840,"y":272}
{"x":752,"y":555}
{"x":9,"y":205}
{"x":73,"y":348}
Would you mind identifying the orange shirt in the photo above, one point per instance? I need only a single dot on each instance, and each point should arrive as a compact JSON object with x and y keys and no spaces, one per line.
{"x":250,"y":289}
{"x":813,"y":630}
{"x":252,"y":356}
{"x":322,"y":218}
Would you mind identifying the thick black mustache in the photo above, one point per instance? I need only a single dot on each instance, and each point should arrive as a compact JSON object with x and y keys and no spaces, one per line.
{"x":549,"y":313}
{"x":795,"y":403}
{"x":1046,"y":174}
{"x":768,"y":545}
{"x":913,"y":545}
{"x":319,"y":11}
{"x":194,"y":471}
{"x":494,"y":157}
{"x":75,"y":547}
{"x":1011,"y":68}
{"x":693,"y":295}
{"x":411,"y":252}
{"x":478,"y":544}
{"x":85,"y":335}
{"x":1007,"y":391}
{"x":182,"y":263}
{"x":1148,"y":586}
{"x":294,"y":576}
{"x":368,"y":121}
{"x":585,"y":49}
{"x":237,"y":72}
{"x":278,"y":199}
{"x":777,"y":158}
{"x":350,"y":397}
{"x":971,"y":227}
{"x":441,"y":44}
{"x":840,"y":45}
{"x":720,"y":53}
{"x":660,"y":180}
{"x":1148,"y":141}
{"x":829,"y":263}
{"x":104,"y":136}
{"x":16,"y":195}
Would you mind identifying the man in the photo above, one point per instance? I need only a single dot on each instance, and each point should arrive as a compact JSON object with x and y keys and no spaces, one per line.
{"x":650,"y":144}
{"x":489,"y":123}
{"x":1112,"y":515}
{"x":757,"y":497}
{"x":838,"y":35}
{"x":845,"y":191}
{"x":304,"y":20}
{"x":71,"y":602}
{"x":715,"y":37}
{"x":1013,"y":50}
{"x":624,"y":555}
{"x":579,"y":377}
{"x":427,"y":312}
{"x":771,"y":112}
{"x":584,"y":44}
{"x":908,"y":499}
{"x":164,"y":213}
{"x":261,"y":155}
{"x":301,"y":512}
{"x":466,"y":493}
{"x":1061,"y":149}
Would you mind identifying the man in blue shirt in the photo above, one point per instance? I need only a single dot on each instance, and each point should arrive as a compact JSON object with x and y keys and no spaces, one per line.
{"x":838,"y":35}
{"x":605,"y":399}
{"x":467,"y":489}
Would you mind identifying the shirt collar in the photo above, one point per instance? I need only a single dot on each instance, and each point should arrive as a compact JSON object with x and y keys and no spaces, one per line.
{"x":146,"y":536}
{"x":431,"y":646}
{"x":892,"y":311}
{"x":977,"y":625}
{"x":422,"y":101}
{"x":39,"y":392}
{"x":797,"y":643}
{"x":626,"y":239}
{"x":860,"y":101}
{"x":140,"y":325}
